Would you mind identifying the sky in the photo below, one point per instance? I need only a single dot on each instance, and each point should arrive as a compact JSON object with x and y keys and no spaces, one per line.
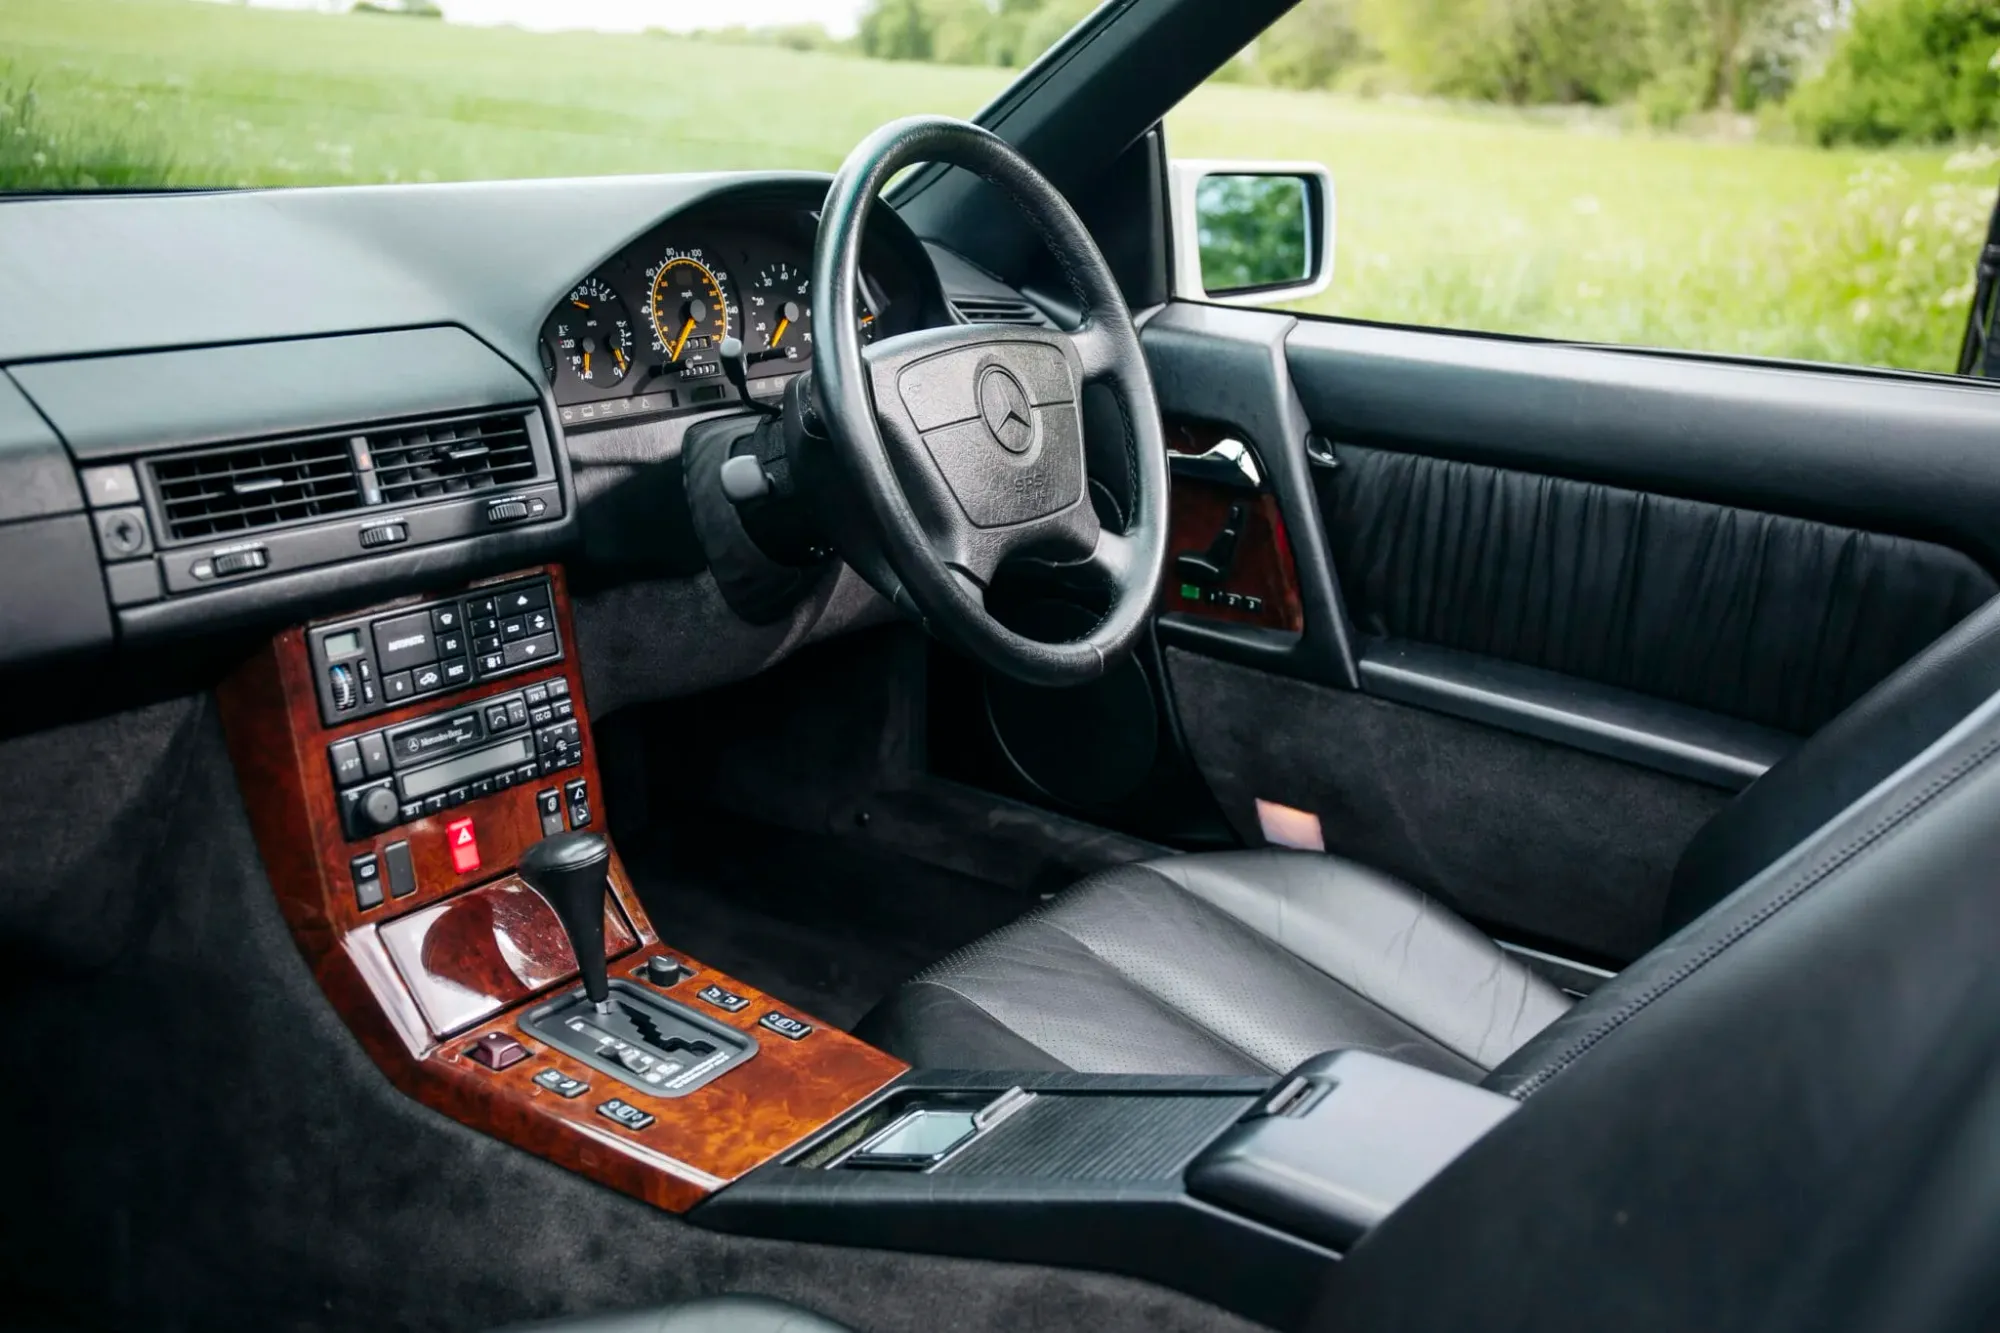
{"x":839,"y":16}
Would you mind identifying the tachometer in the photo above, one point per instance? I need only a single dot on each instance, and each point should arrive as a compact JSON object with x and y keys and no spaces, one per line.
{"x":778,"y":321}
{"x":593,"y":333}
{"x":779,"y":318}
{"x":690,"y":310}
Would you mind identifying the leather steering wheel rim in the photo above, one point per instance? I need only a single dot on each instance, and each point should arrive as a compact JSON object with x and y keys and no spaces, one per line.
{"x":949,"y":500}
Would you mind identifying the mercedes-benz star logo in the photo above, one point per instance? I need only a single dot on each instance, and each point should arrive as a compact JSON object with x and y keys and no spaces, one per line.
{"x":1003,"y":405}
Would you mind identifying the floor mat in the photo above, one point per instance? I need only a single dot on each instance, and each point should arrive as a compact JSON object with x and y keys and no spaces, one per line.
{"x":829,"y":923}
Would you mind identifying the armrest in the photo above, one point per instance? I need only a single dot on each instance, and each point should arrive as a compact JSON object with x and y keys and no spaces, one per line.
{"x":1343,"y":1141}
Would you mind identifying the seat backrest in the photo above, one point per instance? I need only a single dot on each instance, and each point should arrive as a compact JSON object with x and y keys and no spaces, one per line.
{"x":1872,"y":738}
{"x":1687,"y":1127}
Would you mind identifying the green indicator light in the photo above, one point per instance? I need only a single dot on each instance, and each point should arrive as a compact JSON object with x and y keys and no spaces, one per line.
{"x":1190,"y":592}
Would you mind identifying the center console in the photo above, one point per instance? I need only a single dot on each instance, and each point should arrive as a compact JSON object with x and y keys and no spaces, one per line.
{"x":424,"y":789}
{"x":398,"y":766}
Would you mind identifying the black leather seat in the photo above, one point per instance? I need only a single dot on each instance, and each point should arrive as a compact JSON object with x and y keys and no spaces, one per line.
{"x":1242,"y":962}
{"x":717,"y":1314}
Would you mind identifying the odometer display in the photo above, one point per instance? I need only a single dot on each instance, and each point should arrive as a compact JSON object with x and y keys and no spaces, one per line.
{"x":690,"y":310}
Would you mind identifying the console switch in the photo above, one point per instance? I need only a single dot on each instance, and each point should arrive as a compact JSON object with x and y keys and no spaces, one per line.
{"x":464,"y":844}
{"x":720,"y":998}
{"x":550,"y":805}
{"x":785,"y":1025}
{"x":402,"y":872}
{"x":345,"y":756}
{"x":367,"y":881}
{"x":496,"y":1050}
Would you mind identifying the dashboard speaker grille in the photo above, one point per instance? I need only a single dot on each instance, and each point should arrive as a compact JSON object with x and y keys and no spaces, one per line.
{"x":452,"y":457}
{"x":236,"y":489}
{"x":998,"y":310}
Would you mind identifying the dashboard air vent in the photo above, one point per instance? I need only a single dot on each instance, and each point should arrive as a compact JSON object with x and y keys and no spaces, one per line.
{"x":246,"y":486}
{"x":452,"y":457}
{"x":998,"y":310}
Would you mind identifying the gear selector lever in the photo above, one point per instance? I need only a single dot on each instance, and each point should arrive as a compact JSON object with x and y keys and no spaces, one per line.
{"x":572,"y":871}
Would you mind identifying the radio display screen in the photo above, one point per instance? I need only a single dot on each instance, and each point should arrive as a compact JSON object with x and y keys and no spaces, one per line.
{"x":466,"y":768}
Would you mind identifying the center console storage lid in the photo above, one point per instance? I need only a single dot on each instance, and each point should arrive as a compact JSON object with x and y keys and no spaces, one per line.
{"x":1343,"y":1141}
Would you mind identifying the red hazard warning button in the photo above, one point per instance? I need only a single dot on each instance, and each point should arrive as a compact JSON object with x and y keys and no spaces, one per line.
{"x":464,"y":846}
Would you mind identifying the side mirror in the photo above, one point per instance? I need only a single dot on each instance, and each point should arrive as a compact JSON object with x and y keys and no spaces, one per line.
{"x":1251,"y":233}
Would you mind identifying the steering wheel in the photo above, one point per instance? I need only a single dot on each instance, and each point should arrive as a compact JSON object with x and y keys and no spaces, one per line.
{"x":966,"y":443}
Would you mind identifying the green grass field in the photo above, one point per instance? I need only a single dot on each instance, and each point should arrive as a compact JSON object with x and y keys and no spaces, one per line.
{"x":1458,"y":217}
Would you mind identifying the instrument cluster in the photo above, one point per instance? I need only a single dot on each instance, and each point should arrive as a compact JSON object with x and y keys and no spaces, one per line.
{"x":642,"y":334}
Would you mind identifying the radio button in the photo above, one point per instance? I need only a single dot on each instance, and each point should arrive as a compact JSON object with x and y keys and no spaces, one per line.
{"x":517,"y":713}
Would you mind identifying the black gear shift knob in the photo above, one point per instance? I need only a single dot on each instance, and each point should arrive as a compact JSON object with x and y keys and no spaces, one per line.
{"x":573,"y":871}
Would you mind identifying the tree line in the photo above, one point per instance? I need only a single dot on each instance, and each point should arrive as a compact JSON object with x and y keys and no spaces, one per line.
{"x":1863,"y":71}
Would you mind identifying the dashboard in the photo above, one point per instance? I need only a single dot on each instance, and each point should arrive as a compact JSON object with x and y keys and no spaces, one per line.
{"x":641,"y":333}
{"x":313,"y":399}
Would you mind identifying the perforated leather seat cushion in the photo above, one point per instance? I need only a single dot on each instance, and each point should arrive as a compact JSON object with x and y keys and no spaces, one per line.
{"x":1230,"y":963}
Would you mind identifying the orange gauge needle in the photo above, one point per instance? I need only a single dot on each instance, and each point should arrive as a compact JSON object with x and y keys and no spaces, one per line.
{"x":681,"y":341}
{"x":779,"y":332}
{"x":586,"y":365}
{"x":619,"y":357}
{"x":581,"y":305}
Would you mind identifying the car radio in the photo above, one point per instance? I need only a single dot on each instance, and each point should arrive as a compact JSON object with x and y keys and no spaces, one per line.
{"x":389,"y":777}
{"x":378,"y":662}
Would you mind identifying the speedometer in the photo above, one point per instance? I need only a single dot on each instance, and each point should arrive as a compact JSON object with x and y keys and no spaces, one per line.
{"x":690,"y":310}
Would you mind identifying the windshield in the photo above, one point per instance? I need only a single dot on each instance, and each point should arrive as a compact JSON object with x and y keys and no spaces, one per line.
{"x":145,"y":93}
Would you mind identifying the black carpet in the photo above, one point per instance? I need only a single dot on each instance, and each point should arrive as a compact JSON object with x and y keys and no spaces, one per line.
{"x":196,"y":1141}
{"x":831,"y":923}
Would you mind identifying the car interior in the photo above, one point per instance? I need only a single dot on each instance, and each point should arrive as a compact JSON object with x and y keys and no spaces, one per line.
{"x":762,"y":751}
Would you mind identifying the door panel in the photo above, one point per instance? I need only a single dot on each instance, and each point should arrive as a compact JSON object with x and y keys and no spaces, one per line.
{"x":1553,"y":844}
{"x":1918,"y":456}
{"x":1565,"y":599}
{"x":1777,"y":621}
